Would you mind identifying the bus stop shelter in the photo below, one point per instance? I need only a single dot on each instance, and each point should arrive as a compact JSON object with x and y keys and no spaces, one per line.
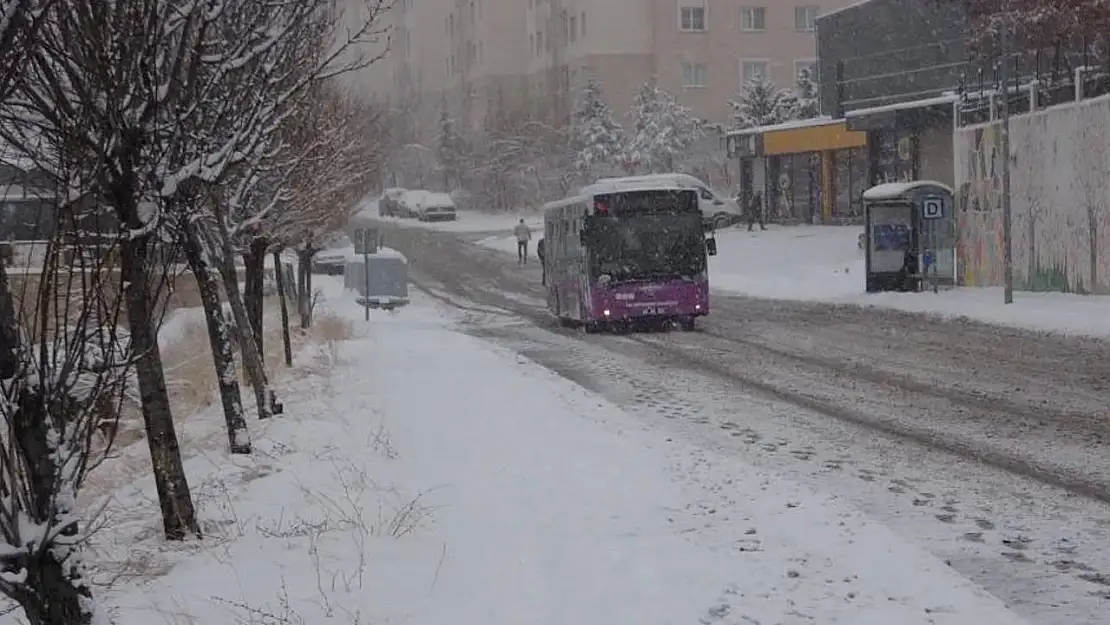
{"x":910,"y":236}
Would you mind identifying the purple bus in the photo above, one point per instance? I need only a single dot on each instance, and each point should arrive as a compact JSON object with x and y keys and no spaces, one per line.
{"x":627,"y":251}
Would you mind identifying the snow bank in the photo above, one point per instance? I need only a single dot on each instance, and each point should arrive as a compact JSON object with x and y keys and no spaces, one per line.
{"x":432,"y":479}
{"x":824,"y":263}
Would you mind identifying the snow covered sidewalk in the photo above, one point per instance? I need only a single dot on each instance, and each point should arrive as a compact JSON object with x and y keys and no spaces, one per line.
{"x":824,"y":263}
{"x":424,"y":476}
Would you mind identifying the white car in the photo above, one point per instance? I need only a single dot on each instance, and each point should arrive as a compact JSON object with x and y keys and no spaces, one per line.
{"x":429,"y":205}
{"x":390,"y":203}
{"x":717,"y":210}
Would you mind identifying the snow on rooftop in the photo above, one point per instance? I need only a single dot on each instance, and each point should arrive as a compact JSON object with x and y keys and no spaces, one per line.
{"x":621,"y":185}
{"x":947,"y":98}
{"x":897,"y":190}
{"x":854,"y":5}
{"x":420,"y":197}
{"x":822,"y":120}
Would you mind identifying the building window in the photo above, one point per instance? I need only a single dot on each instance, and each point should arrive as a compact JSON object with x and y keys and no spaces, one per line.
{"x":753,"y":19}
{"x":573,"y":28}
{"x":753,"y":69}
{"x":805,"y":18}
{"x":691,"y":18}
{"x":809,"y":66}
{"x":693,"y":75}
{"x":583,"y":24}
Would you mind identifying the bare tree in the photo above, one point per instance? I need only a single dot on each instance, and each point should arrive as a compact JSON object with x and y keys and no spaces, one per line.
{"x":244,"y":194}
{"x":339,"y":162}
{"x":65,"y":363}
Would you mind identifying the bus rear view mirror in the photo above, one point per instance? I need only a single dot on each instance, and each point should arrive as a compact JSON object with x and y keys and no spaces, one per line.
{"x":711,"y":247}
{"x":582,"y":236}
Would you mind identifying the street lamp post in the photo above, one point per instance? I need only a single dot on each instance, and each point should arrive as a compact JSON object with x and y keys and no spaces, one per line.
{"x":1007,"y":217}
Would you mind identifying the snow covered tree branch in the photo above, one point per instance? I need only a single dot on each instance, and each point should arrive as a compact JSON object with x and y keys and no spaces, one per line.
{"x":663,"y":129}
{"x":65,"y":364}
{"x":597,"y":139}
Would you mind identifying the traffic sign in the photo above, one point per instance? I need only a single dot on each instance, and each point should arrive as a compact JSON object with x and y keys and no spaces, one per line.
{"x":932,"y":208}
{"x":365,"y":241}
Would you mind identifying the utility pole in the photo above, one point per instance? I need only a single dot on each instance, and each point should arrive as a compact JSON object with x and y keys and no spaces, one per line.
{"x":1007,"y":217}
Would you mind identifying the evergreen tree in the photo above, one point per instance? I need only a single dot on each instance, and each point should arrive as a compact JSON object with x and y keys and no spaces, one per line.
{"x":663,"y":130}
{"x":761,"y":103}
{"x":449,"y":151}
{"x":806,"y":93}
{"x":596,"y":139}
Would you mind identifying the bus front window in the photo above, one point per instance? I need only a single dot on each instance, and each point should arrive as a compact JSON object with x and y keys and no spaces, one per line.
{"x":647,"y":247}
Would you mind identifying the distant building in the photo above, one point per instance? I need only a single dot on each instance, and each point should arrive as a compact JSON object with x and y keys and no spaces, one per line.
{"x":26,"y":201}
{"x":478,"y":54}
{"x":892,"y":69}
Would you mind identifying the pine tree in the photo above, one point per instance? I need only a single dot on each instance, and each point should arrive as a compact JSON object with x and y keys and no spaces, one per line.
{"x":597,"y":140}
{"x":805,"y":90}
{"x":760,"y":104}
{"x":449,"y":150}
{"x":663,"y":130}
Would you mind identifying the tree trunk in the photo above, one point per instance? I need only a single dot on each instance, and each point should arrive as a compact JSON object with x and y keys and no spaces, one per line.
{"x":304,"y":262}
{"x":254,"y":265}
{"x":302,"y":289}
{"x":220,"y":342}
{"x":9,"y":330}
{"x":57,"y":593}
{"x":279,"y":277}
{"x":178,"y":515}
{"x":252,"y":359}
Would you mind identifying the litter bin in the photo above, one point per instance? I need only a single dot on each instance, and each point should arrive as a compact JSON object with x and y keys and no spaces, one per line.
{"x":910,"y":236}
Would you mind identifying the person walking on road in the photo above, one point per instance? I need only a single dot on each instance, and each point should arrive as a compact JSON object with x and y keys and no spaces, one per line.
{"x":543,"y":266}
{"x":523,"y":236}
{"x":755,"y":211}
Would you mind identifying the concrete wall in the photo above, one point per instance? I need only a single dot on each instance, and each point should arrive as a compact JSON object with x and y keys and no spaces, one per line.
{"x":1060,"y":172}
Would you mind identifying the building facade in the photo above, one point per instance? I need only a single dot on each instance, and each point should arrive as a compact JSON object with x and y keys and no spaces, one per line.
{"x":701,"y":50}
{"x":537,"y":53}
{"x":892,"y":69}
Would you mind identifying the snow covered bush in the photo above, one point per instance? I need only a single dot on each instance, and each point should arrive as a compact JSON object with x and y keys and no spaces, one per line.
{"x":662,"y":131}
{"x":597,"y":139}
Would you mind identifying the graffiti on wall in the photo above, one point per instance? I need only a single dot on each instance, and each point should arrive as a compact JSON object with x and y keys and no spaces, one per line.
{"x":1060,"y":200}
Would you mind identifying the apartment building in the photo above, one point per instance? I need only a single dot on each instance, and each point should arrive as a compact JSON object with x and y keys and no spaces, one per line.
{"x":701,"y":50}
{"x":479,"y":57}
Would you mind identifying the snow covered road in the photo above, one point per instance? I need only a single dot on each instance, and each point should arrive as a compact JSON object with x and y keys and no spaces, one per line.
{"x":986,"y":444}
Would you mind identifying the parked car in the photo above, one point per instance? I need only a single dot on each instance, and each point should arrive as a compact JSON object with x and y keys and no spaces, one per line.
{"x":333,"y":261}
{"x":717,"y":211}
{"x":389,"y":205}
{"x":430,"y":206}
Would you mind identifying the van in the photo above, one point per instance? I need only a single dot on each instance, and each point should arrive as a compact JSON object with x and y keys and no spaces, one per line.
{"x":717,"y":210}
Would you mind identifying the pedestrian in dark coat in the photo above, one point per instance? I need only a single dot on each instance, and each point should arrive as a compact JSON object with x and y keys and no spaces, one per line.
{"x":755,"y":211}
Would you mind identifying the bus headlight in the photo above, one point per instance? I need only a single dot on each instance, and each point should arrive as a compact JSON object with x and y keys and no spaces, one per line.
{"x":697,"y":306}
{"x":605,"y":312}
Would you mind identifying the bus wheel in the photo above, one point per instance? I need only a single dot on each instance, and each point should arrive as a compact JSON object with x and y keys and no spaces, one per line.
{"x":591,"y":327}
{"x":687,"y":324}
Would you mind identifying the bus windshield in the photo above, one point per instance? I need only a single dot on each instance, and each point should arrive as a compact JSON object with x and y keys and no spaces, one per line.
{"x":646,"y":247}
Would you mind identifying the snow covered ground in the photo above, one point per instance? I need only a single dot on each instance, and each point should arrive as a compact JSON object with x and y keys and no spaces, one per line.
{"x":424,"y":476}
{"x":824,"y":263}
